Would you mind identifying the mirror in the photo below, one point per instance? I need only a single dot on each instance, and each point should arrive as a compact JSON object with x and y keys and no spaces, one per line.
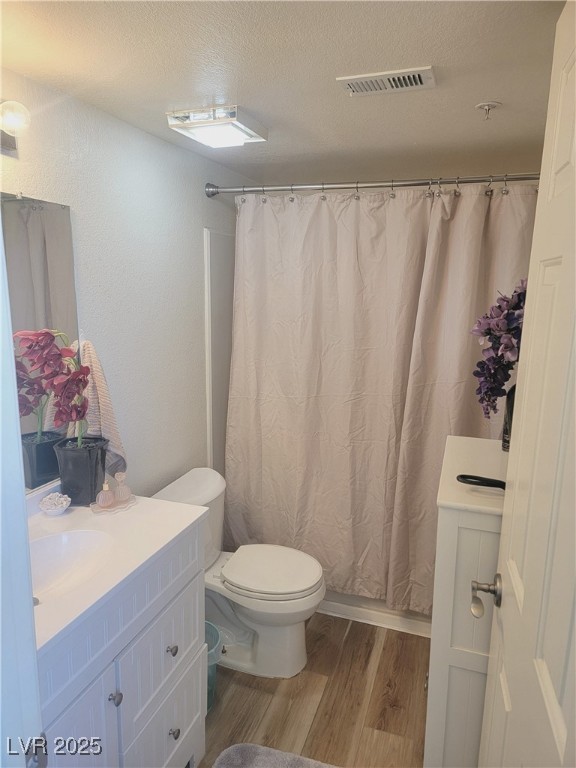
{"x":40,"y":266}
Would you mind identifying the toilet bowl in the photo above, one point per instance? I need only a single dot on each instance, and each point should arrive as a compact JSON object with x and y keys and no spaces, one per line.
{"x":260,"y":596}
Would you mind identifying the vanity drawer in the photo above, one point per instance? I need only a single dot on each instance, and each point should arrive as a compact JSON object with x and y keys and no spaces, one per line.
{"x":182,"y":712}
{"x":150,"y":665}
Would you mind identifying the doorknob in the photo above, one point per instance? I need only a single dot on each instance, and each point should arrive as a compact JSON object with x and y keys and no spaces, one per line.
{"x":116,"y":698}
{"x":495,"y":589}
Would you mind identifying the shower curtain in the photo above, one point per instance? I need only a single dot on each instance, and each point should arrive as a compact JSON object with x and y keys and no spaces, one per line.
{"x":352,"y":361}
{"x":40,"y":266}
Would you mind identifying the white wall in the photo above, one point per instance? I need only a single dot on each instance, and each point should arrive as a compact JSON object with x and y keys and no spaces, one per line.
{"x":138,"y":211}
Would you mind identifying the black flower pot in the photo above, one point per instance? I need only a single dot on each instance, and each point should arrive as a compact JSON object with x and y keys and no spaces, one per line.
{"x":508,"y":413}
{"x":82,"y":470}
{"x":40,"y":462}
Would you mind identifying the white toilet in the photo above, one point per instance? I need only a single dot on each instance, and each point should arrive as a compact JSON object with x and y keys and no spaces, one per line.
{"x":260,"y":596}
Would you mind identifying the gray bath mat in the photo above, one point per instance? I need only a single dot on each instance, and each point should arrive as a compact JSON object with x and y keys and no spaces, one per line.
{"x":255,"y":756}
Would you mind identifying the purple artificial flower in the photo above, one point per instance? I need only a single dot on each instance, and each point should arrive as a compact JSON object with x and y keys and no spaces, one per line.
{"x":499,"y":325}
{"x":515,"y":319}
{"x":482,"y":325}
{"x":508,"y":348}
{"x":501,"y":330}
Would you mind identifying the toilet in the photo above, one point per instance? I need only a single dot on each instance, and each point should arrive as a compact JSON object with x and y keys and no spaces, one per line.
{"x":260,"y":596}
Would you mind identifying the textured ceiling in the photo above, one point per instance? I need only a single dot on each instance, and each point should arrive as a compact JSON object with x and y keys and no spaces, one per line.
{"x":279,"y":61}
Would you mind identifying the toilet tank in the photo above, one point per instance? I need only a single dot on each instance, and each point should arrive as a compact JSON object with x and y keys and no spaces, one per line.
{"x":205,"y":487}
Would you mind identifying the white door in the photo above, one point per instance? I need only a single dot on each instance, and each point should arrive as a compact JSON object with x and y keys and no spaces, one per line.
{"x":20,"y":703}
{"x":529,"y":709}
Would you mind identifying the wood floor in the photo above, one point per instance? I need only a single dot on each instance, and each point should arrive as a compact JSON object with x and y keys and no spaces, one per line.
{"x":360,"y":701}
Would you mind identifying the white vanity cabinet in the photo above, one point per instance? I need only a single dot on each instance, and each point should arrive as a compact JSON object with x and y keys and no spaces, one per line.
{"x":469,"y":520}
{"x":124,"y":685}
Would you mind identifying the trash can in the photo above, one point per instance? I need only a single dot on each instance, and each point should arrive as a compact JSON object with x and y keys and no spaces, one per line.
{"x":214,"y":643}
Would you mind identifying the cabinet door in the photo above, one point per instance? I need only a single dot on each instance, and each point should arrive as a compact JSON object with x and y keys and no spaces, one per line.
{"x":86,"y":734}
{"x":467,"y":548}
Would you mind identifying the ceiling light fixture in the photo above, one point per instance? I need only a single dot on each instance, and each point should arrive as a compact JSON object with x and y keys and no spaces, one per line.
{"x":14,"y":118}
{"x":217,"y":126}
{"x":14,"y":121}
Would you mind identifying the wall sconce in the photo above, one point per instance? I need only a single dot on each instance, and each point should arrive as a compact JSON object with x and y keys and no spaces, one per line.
{"x":217,"y":126}
{"x":14,"y":121}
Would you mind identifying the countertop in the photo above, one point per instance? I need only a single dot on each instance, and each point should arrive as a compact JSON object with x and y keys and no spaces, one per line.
{"x":138,"y":533}
{"x":472,"y":456}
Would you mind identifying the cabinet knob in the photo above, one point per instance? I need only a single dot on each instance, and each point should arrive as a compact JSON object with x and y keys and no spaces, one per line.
{"x":116,"y":697}
{"x":172,"y":649}
{"x":175,"y":733}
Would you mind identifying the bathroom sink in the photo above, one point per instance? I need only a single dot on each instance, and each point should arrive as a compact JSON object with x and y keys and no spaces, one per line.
{"x":63,"y":561}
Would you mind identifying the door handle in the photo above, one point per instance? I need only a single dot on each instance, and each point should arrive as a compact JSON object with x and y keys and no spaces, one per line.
{"x":495,"y":589}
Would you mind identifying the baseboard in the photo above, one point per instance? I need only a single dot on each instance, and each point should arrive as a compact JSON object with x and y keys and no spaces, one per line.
{"x":375,"y":612}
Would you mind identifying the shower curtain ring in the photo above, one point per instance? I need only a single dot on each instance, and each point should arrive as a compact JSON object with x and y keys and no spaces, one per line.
{"x":243,"y":199}
{"x":505,"y":189}
{"x":392,"y":193}
{"x":429,"y":192}
{"x":489,"y":191}
{"x":357,"y":196}
{"x":291,"y":198}
{"x":439,"y":192}
{"x":323,"y":196}
{"x":264,"y":200}
{"x":457,"y":192}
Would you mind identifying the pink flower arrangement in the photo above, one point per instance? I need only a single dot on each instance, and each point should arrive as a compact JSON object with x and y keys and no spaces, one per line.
{"x":46,"y":365}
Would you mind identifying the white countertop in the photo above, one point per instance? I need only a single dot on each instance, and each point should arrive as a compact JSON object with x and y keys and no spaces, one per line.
{"x":138,"y":534}
{"x":472,"y":456}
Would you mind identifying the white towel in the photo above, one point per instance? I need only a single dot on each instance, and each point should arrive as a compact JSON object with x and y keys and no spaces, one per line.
{"x":100,"y":416}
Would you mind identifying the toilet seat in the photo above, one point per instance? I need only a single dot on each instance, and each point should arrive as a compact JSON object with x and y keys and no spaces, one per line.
{"x":271,"y":572}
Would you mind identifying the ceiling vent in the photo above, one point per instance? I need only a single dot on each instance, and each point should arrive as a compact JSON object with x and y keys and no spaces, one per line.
{"x":401,"y":80}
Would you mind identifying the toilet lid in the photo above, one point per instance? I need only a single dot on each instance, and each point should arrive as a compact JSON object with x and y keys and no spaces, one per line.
{"x":271,"y":571}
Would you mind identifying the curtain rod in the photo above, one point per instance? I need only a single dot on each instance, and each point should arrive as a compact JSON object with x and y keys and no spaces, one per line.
{"x":212,"y":189}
